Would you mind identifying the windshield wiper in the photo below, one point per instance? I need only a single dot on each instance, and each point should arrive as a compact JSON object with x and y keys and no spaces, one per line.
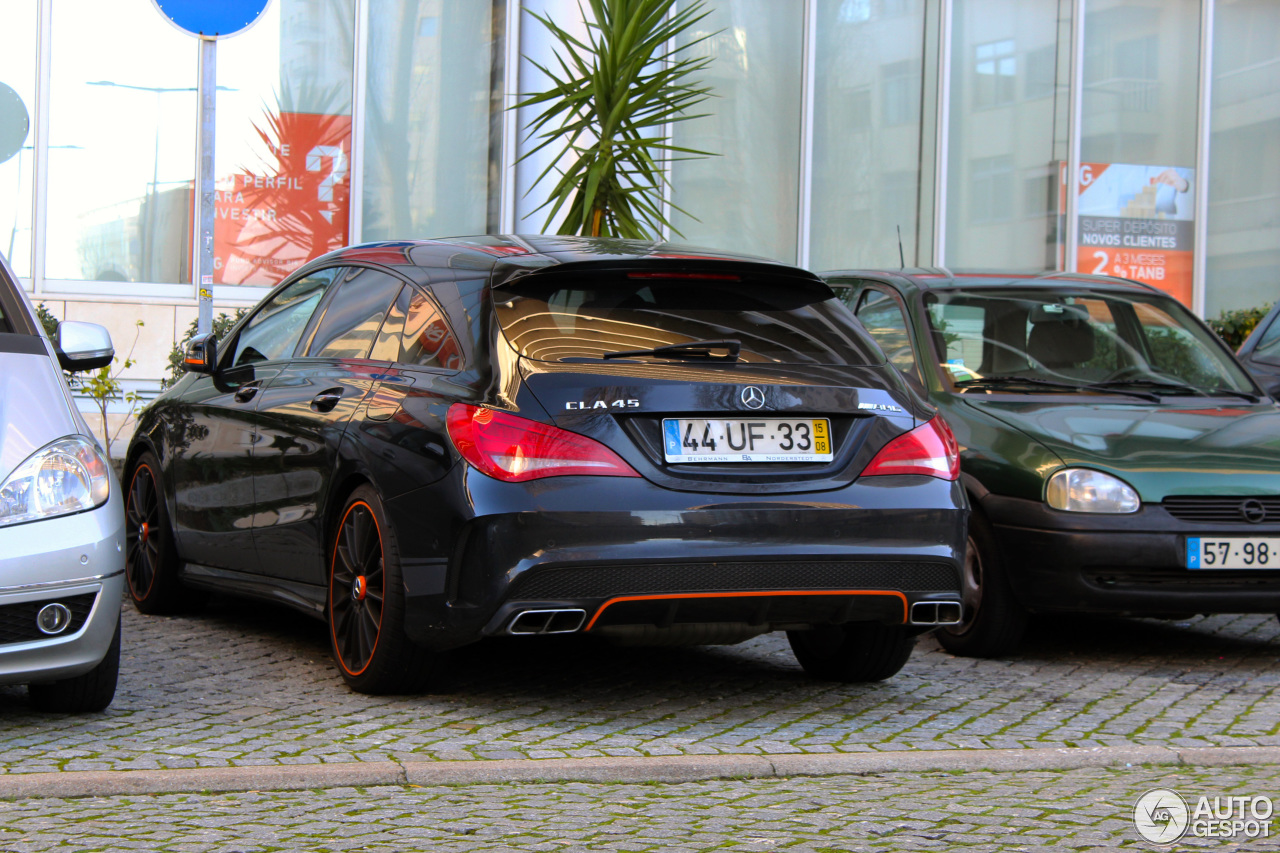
{"x":688,"y":349}
{"x":1155,"y":386}
{"x":1006,"y":381}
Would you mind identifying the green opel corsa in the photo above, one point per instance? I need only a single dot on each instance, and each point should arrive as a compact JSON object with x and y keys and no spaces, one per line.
{"x":1118,"y":459}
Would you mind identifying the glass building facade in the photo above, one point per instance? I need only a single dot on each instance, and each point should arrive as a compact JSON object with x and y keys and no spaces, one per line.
{"x":1133,"y":137}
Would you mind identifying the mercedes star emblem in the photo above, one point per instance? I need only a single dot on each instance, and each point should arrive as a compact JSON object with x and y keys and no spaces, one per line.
{"x":752,"y":397}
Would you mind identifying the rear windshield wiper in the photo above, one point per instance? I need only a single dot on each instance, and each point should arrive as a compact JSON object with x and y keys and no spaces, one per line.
{"x":1006,"y":381}
{"x":688,"y":349}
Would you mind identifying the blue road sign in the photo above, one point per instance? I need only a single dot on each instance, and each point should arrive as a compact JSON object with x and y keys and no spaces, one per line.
{"x":212,"y":18}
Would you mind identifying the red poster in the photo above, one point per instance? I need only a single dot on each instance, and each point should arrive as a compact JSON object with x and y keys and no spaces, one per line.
{"x":267,"y":225}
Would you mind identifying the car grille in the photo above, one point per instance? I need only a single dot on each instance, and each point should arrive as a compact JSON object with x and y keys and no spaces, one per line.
{"x":1209,"y":509}
{"x":575,"y":582}
{"x":18,"y":621}
{"x":1264,"y":581}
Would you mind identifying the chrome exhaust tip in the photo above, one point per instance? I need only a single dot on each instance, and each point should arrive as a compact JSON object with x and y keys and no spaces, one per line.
{"x":936,"y":613}
{"x":949,"y":613}
{"x":565,"y":621}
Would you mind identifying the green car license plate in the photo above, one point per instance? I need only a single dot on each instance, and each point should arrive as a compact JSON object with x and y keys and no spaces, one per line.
{"x":746,"y":439}
{"x":1233,"y":552}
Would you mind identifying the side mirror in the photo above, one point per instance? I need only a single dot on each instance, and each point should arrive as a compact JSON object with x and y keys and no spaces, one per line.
{"x":83,"y":346}
{"x":201,"y":355}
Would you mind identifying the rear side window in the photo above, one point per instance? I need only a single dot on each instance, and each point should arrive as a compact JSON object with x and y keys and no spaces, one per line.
{"x":4,"y":322}
{"x":884,"y":320}
{"x":776,"y":319}
{"x":418,"y":332}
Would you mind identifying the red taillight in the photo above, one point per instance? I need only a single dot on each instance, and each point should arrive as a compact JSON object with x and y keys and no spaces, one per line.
{"x":515,"y":449}
{"x":929,"y":449}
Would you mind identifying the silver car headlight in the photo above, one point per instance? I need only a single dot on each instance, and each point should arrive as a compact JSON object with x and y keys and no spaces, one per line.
{"x":1085,"y":490}
{"x":68,"y":475}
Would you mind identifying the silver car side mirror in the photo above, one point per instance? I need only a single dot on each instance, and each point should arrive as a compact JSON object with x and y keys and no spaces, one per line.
{"x":83,"y":346}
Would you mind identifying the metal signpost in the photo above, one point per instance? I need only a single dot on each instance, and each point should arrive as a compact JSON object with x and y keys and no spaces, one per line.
{"x":208,"y":20}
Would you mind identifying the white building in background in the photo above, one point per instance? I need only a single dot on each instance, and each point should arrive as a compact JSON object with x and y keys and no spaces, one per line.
{"x":844,"y":127}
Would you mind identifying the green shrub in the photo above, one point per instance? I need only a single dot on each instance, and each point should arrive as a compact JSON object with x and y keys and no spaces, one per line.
{"x":1234,"y":326}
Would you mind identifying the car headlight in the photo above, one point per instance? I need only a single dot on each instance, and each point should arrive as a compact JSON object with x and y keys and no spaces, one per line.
{"x":1084,"y":490}
{"x":68,"y":475}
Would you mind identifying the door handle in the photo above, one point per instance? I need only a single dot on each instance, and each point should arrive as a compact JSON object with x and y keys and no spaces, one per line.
{"x":326,"y":400}
{"x":246,"y":392}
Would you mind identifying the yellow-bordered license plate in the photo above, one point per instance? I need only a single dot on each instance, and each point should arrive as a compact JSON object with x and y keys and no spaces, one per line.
{"x":1233,"y":552}
{"x":746,"y":439}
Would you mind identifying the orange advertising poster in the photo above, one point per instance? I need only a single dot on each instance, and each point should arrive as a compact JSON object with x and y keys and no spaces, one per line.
{"x":268,"y":224}
{"x":1138,"y":222}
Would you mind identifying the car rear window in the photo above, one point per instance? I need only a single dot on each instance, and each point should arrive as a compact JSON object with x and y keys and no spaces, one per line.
{"x":776,"y":319}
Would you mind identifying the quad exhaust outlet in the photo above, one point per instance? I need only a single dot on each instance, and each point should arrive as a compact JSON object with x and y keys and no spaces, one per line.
{"x":935,"y":613}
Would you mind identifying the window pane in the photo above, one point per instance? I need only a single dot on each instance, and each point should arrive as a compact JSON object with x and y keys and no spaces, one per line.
{"x":1243,"y":267}
{"x":1140,"y":67}
{"x":417,"y":332}
{"x":1008,"y":103}
{"x":426,"y":155}
{"x":284,"y":141}
{"x":747,"y":199}
{"x":122,"y":121}
{"x":883,"y":318}
{"x":866,"y":158}
{"x":17,"y":109}
{"x":274,"y":331}
{"x":354,"y":315}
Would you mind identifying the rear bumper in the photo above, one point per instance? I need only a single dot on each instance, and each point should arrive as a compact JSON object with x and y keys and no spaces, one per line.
{"x":863,"y":553}
{"x":1131,"y":564}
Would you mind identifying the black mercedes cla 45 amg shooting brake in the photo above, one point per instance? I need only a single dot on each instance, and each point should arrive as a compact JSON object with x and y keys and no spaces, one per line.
{"x":426,"y":443}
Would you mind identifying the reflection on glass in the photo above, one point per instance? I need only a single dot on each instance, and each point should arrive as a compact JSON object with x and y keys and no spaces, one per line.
{"x":284,"y":141}
{"x":426,"y":154}
{"x":1140,"y":67}
{"x":866,"y":133}
{"x":1243,"y":268}
{"x":1008,"y":96}
{"x":122,"y":132}
{"x":17,"y":108}
{"x":746,"y":199}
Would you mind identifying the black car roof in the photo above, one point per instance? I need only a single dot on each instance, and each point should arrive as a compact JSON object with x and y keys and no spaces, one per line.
{"x":512,"y":256}
{"x":941,"y":278}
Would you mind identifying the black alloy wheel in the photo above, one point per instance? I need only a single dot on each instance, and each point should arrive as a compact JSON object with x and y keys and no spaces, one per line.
{"x":366,"y":603}
{"x":151,"y":560}
{"x":993,"y":620}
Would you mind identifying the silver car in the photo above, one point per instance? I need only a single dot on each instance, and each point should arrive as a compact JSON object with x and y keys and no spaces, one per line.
{"x":62,"y":534}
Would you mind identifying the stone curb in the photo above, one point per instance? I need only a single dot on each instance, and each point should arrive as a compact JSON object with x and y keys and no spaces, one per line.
{"x":676,"y":768}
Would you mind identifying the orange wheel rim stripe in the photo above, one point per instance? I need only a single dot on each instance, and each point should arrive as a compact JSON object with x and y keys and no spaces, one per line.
{"x":143,"y":532}
{"x":769,"y":594}
{"x":381,"y":610}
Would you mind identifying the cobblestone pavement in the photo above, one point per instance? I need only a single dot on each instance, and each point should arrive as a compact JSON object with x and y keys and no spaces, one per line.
{"x":247,"y":684}
{"x":1081,"y":810}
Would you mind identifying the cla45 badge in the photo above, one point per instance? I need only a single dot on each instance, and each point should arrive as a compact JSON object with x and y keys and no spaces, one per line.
{"x":583,"y":405}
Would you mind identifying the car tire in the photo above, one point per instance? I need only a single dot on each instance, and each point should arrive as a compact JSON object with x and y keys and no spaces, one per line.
{"x":151,"y":555}
{"x":994,"y":619}
{"x":853,"y":652}
{"x":82,"y":694}
{"x":366,"y":604}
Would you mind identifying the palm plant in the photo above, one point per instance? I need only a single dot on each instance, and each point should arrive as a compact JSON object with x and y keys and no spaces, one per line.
{"x":610,"y":108}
